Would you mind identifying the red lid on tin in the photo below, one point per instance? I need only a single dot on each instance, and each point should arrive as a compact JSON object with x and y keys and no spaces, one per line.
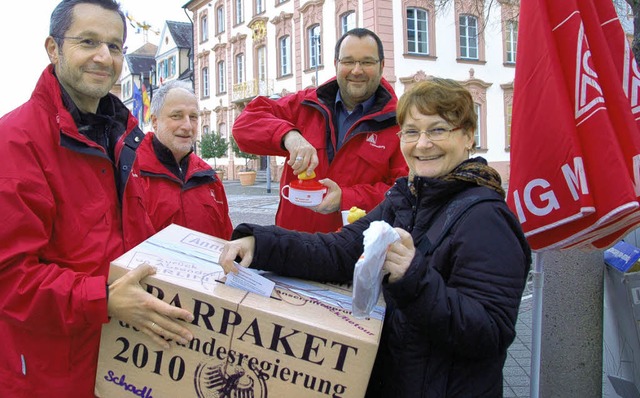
{"x":306,"y":185}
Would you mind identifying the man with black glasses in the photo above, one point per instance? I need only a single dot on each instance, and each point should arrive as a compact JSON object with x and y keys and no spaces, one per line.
{"x":344,"y":131}
{"x":66,"y":160}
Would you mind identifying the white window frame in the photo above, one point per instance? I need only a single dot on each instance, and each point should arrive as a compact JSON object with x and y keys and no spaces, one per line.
{"x":284,"y":44}
{"x":262,"y":63}
{"x":220,"y":20}
{"x":239,"y":12}
{"x":315,"y":46}
{"x":477,"y":135}
{"x":469,"y":39}
{"x":418,"y":31}
{"x":205,"y":82}
{"x":222,"y":82}
{"x":204,"y":28}
{"x":347,"y":22}
{"x":171,"y":66}
{"x":260,"y":7}
{"x":511,"y":40}
{"x":240,"y":68}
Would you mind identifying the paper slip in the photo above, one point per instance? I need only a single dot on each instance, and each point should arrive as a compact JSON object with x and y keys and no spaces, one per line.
{"x":322,"y":294}
{"x":251,"y":281}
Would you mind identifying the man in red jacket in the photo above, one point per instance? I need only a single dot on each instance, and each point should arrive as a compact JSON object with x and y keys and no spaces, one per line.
{"x":179,"y":187}
{"x":66,"y":160}
{"x":344,"y":130}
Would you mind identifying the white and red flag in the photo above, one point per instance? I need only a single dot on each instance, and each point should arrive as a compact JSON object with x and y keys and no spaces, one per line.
{"x":575,"y":139}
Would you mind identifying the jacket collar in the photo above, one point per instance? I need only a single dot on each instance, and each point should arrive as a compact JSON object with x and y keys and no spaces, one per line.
{"x":150,"y":162}
{"x":165,"y":156}
{"x":385,"y":98}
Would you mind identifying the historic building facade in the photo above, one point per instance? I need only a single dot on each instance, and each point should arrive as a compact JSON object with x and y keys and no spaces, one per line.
{"x":246,"y":48}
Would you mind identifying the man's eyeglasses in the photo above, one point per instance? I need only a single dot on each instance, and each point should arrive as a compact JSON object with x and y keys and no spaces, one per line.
{"x":364,"y":64}
{"x":437,"y":134}
{"x":116,"y":50}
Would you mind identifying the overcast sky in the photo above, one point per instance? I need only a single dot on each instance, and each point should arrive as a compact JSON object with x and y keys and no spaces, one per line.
{"x":24,"y":27}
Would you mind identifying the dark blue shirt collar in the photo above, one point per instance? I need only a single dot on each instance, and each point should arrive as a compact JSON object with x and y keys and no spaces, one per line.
{"x":365,"y":106}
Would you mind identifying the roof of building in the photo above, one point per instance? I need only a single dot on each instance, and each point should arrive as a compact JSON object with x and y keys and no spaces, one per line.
{"x":140,"y":63}
{"x":182,"y":33}
{"x":146,"y":49}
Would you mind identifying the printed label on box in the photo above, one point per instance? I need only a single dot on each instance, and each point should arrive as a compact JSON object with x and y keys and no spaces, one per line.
{"x":301,"y":342}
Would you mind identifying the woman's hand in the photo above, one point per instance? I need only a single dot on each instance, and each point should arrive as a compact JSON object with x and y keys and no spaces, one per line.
{"x":243,"y":248}
{"x":399,"y":256}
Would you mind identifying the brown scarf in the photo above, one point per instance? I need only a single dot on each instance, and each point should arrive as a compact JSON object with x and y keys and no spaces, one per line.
{"x":473,"y":170}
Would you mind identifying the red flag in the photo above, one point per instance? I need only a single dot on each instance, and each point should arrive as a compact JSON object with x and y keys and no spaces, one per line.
{"x":572,"y":182}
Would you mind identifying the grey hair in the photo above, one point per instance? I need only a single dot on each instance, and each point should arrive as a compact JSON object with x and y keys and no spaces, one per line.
{"x":160,"y":95}
{"x":62,"y":16}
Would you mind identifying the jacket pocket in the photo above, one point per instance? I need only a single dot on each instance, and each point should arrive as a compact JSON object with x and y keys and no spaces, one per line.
{"x":27,"y":354}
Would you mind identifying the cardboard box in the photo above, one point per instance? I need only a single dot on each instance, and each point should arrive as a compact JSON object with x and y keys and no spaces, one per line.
{"x":301,"y":342}
{"x":621,"y":334}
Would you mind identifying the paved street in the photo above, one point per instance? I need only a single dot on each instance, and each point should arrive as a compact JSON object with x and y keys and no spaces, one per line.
{"x":255,"y":205}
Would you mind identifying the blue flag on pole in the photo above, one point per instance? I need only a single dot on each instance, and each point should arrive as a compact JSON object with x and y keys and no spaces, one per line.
{"x":137,"y":101}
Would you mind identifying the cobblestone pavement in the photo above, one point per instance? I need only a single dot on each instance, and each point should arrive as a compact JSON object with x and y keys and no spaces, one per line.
{"x":253,"y":204}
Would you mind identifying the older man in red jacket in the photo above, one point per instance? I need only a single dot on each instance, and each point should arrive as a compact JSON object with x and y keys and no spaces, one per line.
{"x":66,"y":161}
{"x":178,"y":187}
{"x":345,"y":131}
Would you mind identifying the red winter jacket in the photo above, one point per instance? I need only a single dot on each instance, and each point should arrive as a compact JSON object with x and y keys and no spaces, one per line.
{"x":200,"y":203}
{"x":365,"y":167}
{"x":60,"y":226}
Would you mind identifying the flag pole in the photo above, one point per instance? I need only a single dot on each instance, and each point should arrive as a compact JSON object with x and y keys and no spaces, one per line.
{"x":536,"y":338}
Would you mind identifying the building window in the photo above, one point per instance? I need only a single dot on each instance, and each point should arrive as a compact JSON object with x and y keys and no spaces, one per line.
{"x":126,"y":90}
{"x":507,"y":132}
{"x":284,"y":44}
{"x":508,"y":112}
{"x":222,"y":130}
{"x":204,"y":28}
{"x":240,"y":68}
{"x":259,"y":6}
{"x":417,"y":31}
{"x":205,"y":82}
{"x":222,"y":84}
{"x":220,"y":19}
{"x":468,"y":37}
{"x":315,"y":46}
{"x":205,"y":130}
{"x":478,"y":134}
{"x":239,"y":12}
{"x":511,"y":37}
{"x":262,"y":63}
{"x":167,"y":68}
{"x":260,"y":70}
{"x":347,"y":22}
{"x":172,"y":66}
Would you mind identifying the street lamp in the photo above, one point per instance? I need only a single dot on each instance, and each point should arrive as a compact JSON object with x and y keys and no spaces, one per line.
{"x":274,"y":97}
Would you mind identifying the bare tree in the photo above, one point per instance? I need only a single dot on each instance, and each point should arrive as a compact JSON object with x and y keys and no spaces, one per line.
{"x":482,"y":6}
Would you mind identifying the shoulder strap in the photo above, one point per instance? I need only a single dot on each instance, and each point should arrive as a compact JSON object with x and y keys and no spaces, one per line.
{"x":450,"y":214}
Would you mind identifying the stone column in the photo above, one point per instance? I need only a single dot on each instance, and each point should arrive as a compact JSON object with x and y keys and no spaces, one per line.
{"x":571,"y":344}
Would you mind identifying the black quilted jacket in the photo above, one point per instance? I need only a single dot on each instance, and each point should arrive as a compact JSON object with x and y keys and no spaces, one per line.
{"x":451,"y":318}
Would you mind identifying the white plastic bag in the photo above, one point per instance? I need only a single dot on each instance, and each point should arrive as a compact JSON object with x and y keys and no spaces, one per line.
{"x":367,"y":275}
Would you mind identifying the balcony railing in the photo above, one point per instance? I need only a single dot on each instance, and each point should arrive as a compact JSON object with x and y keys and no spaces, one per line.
{"x":251,"y":89}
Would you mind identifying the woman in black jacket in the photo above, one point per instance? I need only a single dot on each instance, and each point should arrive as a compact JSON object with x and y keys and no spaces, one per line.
{"x":452,"y":301}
